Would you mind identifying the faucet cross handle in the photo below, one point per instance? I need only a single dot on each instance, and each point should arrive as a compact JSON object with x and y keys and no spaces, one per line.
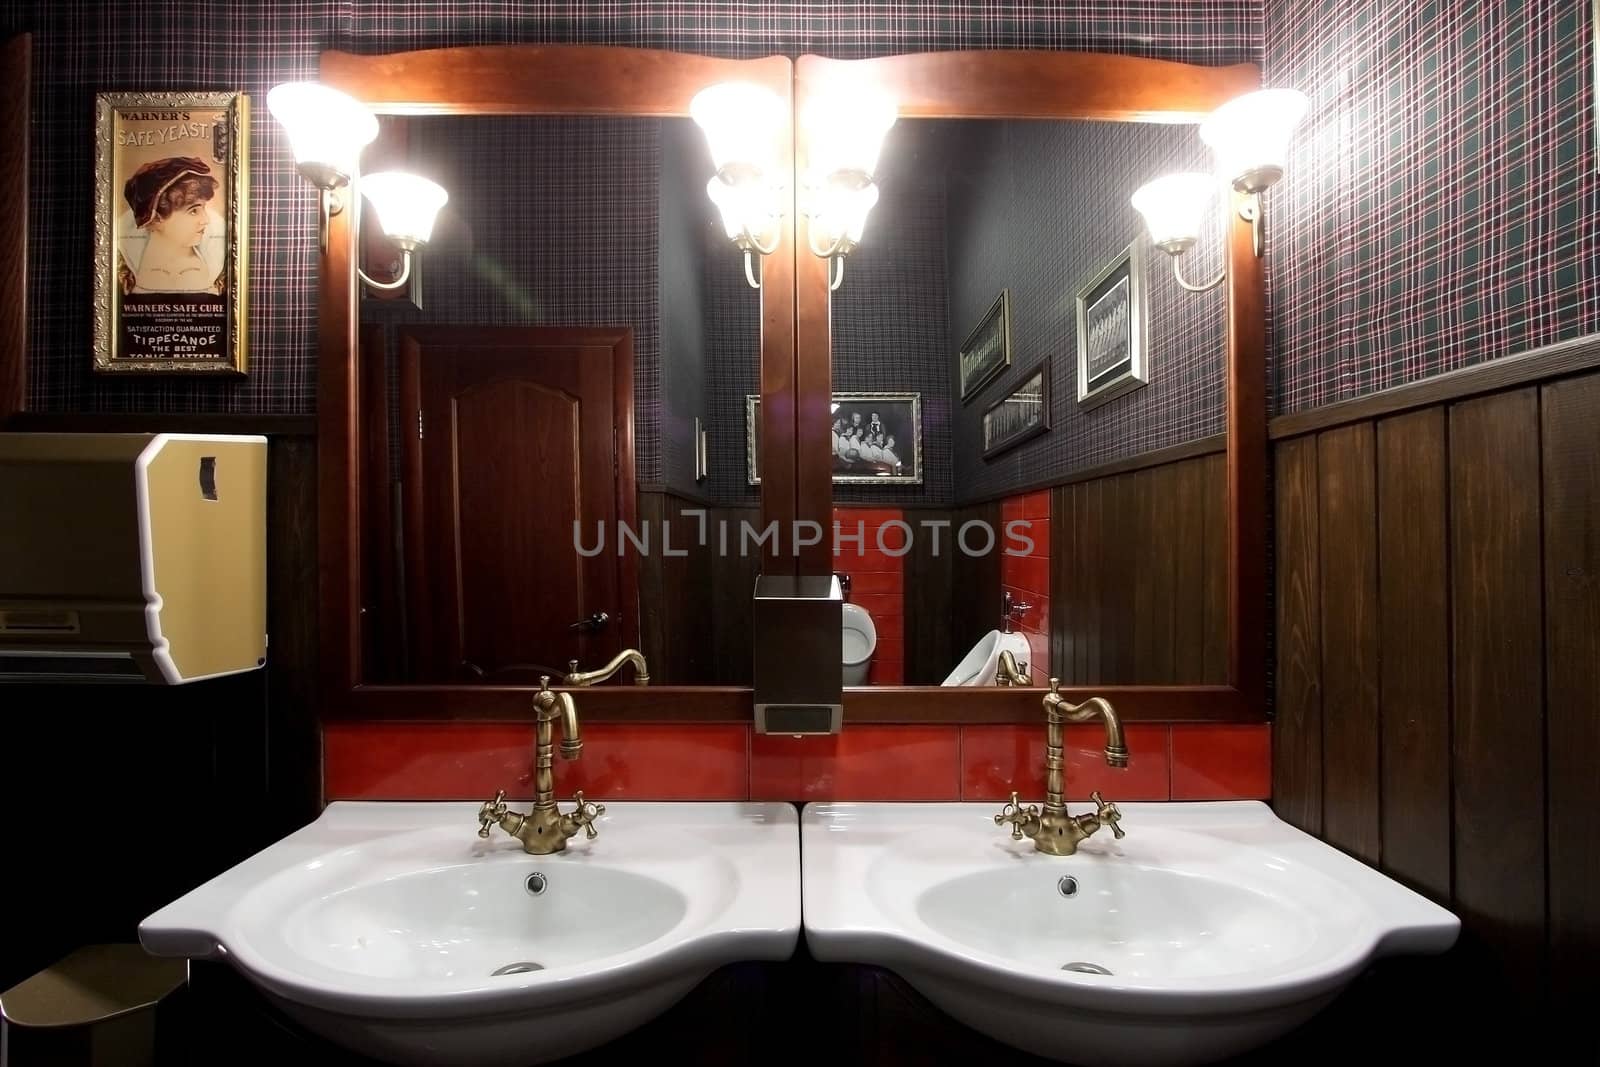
{"x":584,"y":814}
{"x":1015,"y":814}
{"x":491,"y":812}
{"x":1108,"y":814}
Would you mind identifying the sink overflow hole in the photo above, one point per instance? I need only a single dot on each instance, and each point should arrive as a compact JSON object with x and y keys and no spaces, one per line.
{"x":1068,"y":887}
{"x":1081,"y":968}
{"x":517,"y":968}
{"x":536,"y":884}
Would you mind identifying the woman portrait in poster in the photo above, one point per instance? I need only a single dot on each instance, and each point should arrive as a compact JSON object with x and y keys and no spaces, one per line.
{"x":171,"y":239}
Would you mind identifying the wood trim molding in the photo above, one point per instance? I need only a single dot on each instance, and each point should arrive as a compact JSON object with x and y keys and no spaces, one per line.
{"x":1559,"y":360}
{"x":16,"y":64}
{"x":1201,"y":446}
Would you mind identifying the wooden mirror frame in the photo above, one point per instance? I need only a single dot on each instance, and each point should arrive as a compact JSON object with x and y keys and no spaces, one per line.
{"x":519,"y":80}
{"x":1061,"y":85}
{"x":796,"y":364}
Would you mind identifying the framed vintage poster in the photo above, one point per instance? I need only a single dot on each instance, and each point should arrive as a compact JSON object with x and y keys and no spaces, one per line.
{"x":987,"y":350}
{"x":877,"y":438}
{"x":1111,"y":330}
{"x":1022,"y":414}
{"x":171,"y":232}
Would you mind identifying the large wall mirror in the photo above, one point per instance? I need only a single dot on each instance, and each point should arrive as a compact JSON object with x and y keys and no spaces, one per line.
{"x":579,"y":343}
{"x":1046,"y":452}
{"x":564,"y":377}
{"x":523,"y":443}
{"x":956,"y":376}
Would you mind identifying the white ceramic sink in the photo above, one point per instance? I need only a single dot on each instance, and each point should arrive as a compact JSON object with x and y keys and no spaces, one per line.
{"x":381,"y":926}
{"x":1222,"y":927}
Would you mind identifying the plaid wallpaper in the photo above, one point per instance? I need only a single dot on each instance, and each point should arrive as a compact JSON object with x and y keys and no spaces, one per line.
{"x":81,"y":47}
{"x":891,"y":315}
{"x":1440,"y":207}
{"x":1043,"y":208}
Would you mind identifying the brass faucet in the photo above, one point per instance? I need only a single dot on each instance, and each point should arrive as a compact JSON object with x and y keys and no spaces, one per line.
{"x":1009,"y":673}
{"x":545,"y":829}
{"x":1054,"y":831}
{"x":641,"y":671}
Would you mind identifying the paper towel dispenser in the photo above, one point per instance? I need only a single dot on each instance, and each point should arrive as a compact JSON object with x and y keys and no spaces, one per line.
{"x":132,"y":556}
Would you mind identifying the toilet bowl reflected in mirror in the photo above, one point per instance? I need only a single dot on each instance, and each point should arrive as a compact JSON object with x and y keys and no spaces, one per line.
{"x":860,"y":641}
{"x":981,"y":665}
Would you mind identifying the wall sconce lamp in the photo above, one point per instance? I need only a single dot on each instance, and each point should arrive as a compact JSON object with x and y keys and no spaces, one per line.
{"x":1249,"y":135}
{"x":845,"y":132}
{"x":327,"y":130}
{"x":741,"y":122}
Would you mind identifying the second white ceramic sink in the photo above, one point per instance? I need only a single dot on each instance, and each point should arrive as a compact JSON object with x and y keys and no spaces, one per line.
{"x":392,"y":929}
{"x":1209,"y":930}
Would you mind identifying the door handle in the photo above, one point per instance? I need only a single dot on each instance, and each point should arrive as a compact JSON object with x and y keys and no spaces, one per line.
{"x":592,"y":625}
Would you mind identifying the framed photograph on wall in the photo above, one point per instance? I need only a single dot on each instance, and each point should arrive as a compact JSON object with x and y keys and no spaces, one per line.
{"x":876,"y":438}
{"x":987,"y":350}
{"x":1111,"y":330}
{"x":171,"y":232}
{"x":1022,"y":414}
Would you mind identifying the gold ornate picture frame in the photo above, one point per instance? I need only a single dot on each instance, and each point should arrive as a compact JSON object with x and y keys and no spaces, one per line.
{"x":172,"y":233}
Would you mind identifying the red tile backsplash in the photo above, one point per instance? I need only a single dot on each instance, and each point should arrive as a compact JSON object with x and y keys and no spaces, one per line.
{"x":997,"y":759}
{"x":426,"y":761}
{"x":469,"y":761}
{"x":1225,"y":762}
{"x":861,"y":763}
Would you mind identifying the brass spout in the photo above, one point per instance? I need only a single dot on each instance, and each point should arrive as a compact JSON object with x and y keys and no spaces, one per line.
{"x":641,"y":671}
{"x":1054,"y":830}
{"x":1056,"y":706}
{"x":1009,"y":673}
{"x":571,"y":736}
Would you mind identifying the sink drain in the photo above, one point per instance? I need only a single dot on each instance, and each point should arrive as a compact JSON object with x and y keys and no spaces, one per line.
{"x":517,"y":968}
{"x":1081,"y":968}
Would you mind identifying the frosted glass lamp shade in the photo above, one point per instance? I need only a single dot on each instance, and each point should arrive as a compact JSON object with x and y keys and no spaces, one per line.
{"x":839,"y":216}
{"x":749,"y":209}
{"x":1174,"y":207}
{"x":406,"y":205}
{"x":327,"y":129}
{"x":741,"y":122}
{"x":845,"y":131}
{"x":1250,"y":136}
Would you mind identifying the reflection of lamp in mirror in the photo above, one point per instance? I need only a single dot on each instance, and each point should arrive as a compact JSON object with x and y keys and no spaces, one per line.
{"x":406,"y":206}
{"x":741,"y":122}
{"x":844,"y":129}
{"x":1174,"y":207}
{"x":328,"y":129}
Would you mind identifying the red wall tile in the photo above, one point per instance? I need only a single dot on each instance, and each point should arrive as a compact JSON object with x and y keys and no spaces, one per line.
{"x":997,"y":759}
{"x":1231,"y":762}
{"x":861,"y":763}
{"x":426,"y":761}
{"x":877,"y":583}
{"x":469,"y":761}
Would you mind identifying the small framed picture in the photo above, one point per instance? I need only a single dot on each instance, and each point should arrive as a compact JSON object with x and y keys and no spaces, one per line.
{"x":1111,"y":330}
{"x":876,"y":438}
{"x":1022,"y":414}
{"x":987,"y":350}
{"x":171,"y":232}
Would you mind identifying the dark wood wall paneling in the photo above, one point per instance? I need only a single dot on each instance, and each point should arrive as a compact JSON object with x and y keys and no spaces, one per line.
{"x":1139,"y":576}
{"x":1438,"y":669}
{"x":695,"y":608}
